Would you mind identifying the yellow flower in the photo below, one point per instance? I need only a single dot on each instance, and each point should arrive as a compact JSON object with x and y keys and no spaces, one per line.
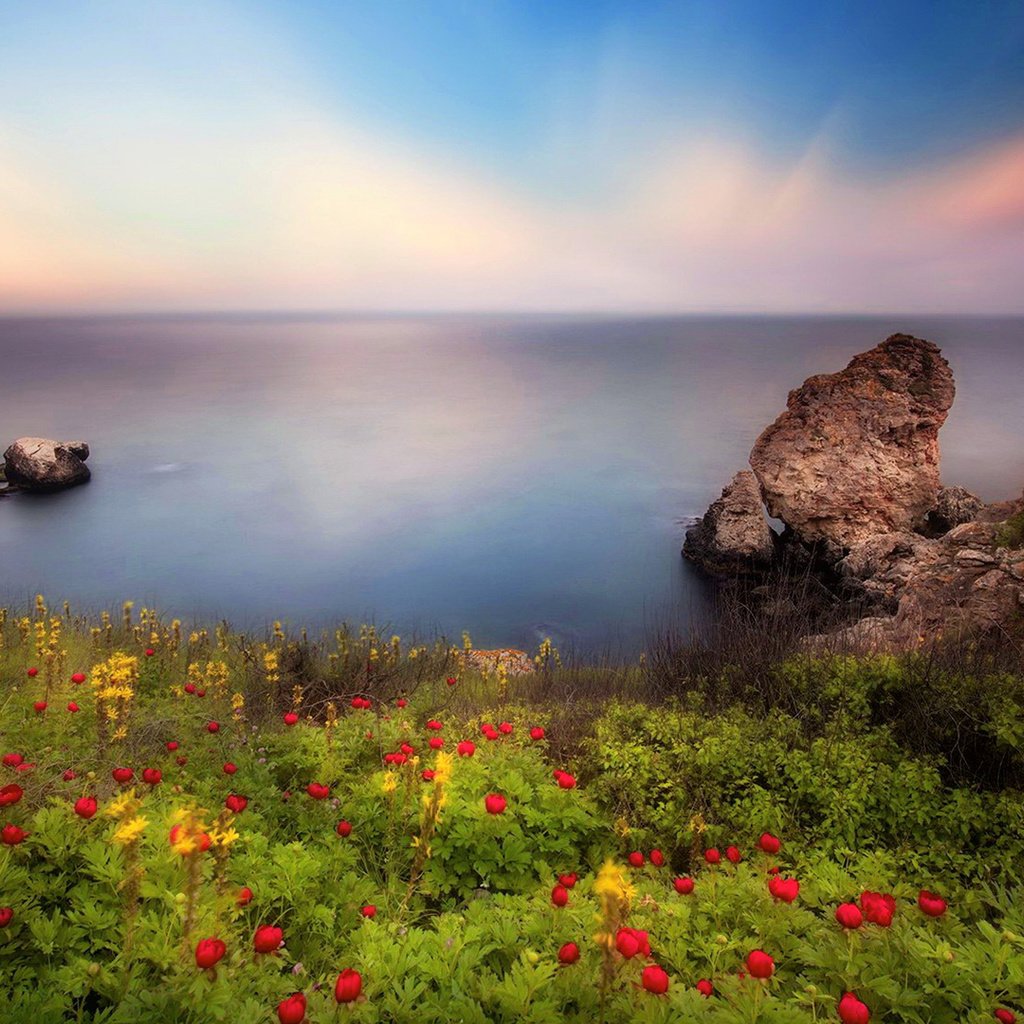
{"x":122,"y":804}
{"x":130,"y":830}
{"x":223,"y":837}
{"x":390,"y":783}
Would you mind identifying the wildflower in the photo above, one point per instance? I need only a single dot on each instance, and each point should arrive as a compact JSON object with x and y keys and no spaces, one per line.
{"x":569,"y":953}
{"x":566,"y":781}
{"x":712,"y":856}
{"x":150,"y":652}
{"x":852,"y":1010}
{"x":559,"y":896}
{"x":769,"y":843}
{"x":318,"y":791}
{"x":878,"y":908}
{"x":760,"y":964}
{"x":40,"y":706}
{"x":436,"y":743}
{"x":267,"y":939}
{"x":130,"y":830}
{"x":466,"y":748}
{"x":11,"y":835}
{"x":348,"y":986}
{"x":172,"y":745}
{"x":122,"y":775}
{"x":495,"y":803}
{"x":188,"y":838}
{"x":631,"y":942}
{"x":78,"y":678}
{"x":369,"y":910}
{"x":427,"y":775}
{"x":705,"y":988}
{"x":636,"y":859}
{"x":434,"y":724}
{"x":209,"y":952}
{"x":654,"y":979}
{"x":73,"y":707}
{"x":292,"y":1010}
{"x":536,"y":733}
{"x":344,"y":829}
{"x":390,"y":783}
{"x":6,"y":916}
{"x":569,"y":881}
{"x":1005,"y":1016}
{"x":930,"y":904}
{"x":849,"y":915}
{"x":213,"y":727}
{"x":683,"y":886}
{"x":85,"y":806}
{"x":151,"y":776}
{"x":12,"y":760}
{"x":784,"y":889}
{"x":290,"y":718}
{"x":657,"y":858}
{"x":68,"y":775}
{"x":451,"y":680}
{"x":733,"y":855}
{"x":10,"y":794}
{"x":236,"y":803}
{"x":244,"y":897}
{"x":401,"y":702}
{"x":229,"y":768}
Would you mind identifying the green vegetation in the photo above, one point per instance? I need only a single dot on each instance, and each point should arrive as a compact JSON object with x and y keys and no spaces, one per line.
{"x":1011,"y":533}
{"x":580,"y":844}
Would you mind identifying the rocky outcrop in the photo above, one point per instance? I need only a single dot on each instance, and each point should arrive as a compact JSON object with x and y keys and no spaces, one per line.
{"x":39,"y":464}
{"x":852,"y":470}
{"x":733,"y":535}
{"x":856,"y":453}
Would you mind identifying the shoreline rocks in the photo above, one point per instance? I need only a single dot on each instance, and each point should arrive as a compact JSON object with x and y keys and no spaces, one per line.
{"x":851,"y":468}
{"x":39,"y":464}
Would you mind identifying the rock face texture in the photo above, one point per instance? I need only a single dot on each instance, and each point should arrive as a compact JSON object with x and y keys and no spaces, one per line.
{"x":39,"y":464}
{"x":733,"y":535}
{"x":856,"y":453}
{"x":953,"y":506}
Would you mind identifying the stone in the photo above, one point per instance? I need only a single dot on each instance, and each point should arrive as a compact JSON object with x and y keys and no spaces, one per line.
{"x":953,"y":507}
{"x":733,"y":535}
{"x":39,"y":464}
{"x":856,"y":453}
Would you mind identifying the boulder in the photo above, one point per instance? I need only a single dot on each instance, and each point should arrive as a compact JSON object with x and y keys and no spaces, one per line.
{"x":856,"y":453}
{"x":38,"y":464}
{"x":953,"y":506}
{"x":733,"y":535}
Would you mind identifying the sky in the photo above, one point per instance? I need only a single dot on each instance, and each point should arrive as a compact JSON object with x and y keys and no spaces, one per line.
{"x":566,"y":155}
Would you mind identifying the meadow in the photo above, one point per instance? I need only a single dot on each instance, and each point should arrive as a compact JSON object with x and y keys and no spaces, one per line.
{"x":200,"y":825}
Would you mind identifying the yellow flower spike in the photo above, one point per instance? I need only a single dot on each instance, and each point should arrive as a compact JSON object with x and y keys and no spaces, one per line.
{"x":129,"y":831}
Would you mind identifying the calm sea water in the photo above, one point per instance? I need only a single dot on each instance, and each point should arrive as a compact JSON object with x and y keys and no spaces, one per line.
{"x":514,"y":477}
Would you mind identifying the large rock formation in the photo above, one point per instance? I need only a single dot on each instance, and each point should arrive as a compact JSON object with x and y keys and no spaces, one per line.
{"x":733,"y":535}
{"x":856,"y":453}
{"x":38,"y":464}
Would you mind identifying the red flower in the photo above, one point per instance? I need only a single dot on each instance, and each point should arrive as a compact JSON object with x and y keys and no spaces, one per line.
{"x":229,"y":768}
{"x":536,"y":733}
{"x":654,"y":979}
{"x":12,"y":760}
{"x":85,"y":806}
{"x":172,"y":745}
{"x":428,"y":774}
{"x":852,"y":1010}
{"x":6,"y":916}
{"x":267,"y":938}
{"x":636,"y":859}
{"x":932,"y":905}
{"x":348,"y":986}
{"x":292,"y":1010}
{"x":213,"y":726}
{"x":849,"y":915}
{"x":122,"y":775}
{"x":491,"y":733}
{"x":467,"y":748}
{"x":68,"y":775}
{"x":200,"y":693}
{"x":40,"y":706}
{"x":1005,"y":1016}
{"x":505,"y":728}
{"x":151,"y":776}
{"x":408,"y":749}
{"x":344,"y":829}
{"x":495,"y":803}
{"x":878,"y":908}
{"x":684,"y":886}
{"x":181,"y":761}
{"x":318,"y":791}
{"x":486,"y":728}
{"x":657,"y":858}
{"x":10,"y":794}
{"x":733,"y":855}
{"x":244,"y":896}
{"x":569,"y":953}
{"x":712,"y":856}
{"x":569,"y":881}
{"x":26,"y":766}
{"x":190,"y":687}
{"x":401,"y":702}
{"x":436,"y":743}
{"x":178,"y":835}
{"x":209,"y":952}
{"x":451,"y":680}
{"x":235,"y":803}
{"x":566,"y":781}
{"x":632,"y":941}
{"x":33,"y":672}
{"x":11,"y":835}
{"x":78,"y":678}
{"x":434,"y":724}
{"x":150,"y":652}
{"x":769,"y":843}
{"x":72,"y":706}
{"x":369,"y":910}
{"x":760,"y":964}
{"x":784,"y":889}
{"x":705,"y":988}
{"x":559,"y":896}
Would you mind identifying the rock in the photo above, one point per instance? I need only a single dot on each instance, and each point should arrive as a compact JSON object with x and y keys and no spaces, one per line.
{"x":733,"y":534}
{"x":856,"y":453}
{"x":953,"y":506}
{"x":38,"y":464}
{"x":510,"y":660}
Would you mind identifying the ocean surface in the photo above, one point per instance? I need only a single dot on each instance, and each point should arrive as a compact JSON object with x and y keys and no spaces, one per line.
{"x":516,"y":477}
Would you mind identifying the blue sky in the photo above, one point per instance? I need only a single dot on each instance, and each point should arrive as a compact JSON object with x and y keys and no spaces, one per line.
{"x":606,"y":155}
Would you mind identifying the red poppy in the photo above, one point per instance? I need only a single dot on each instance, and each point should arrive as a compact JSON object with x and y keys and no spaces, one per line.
{"x":343,"y":828}
{"x":10,"y":794}
{"x":209,"y":952}
{"x":769,"y":843}
{"x":466,"y":748}
{"x":267,"y":938}
{"x":559,"y":896}
{"x":705,"y":988}
{"x":229,"y":768}
{"x":654,"y":979}
{"x":495,"y":803}
{"x":712,"y":856}
{"x":852,"y":1010}
{"x":369,"y":910}
{"x":122,"y":775}
{"x":235,"y":803}
{"x":784,"y":889}
{"x":318,"y":791}
{"x":85,"y":806}
{"x":683,"y":886}
{"x":932,"y":905}
{"x":292,"y":1010}
{"x":849,"y":915}
{"x":636,"y":859}
{"x":569,"y":953}
{"x":244,"y":896}
{"x":760,"y":964}
{"x":78,"y":678}
{"x":536,"y":733}
{"x":348,"y":986}
{"x":11,"y":835}
{"x":213,"y":726}
{"x":152,"y":776}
